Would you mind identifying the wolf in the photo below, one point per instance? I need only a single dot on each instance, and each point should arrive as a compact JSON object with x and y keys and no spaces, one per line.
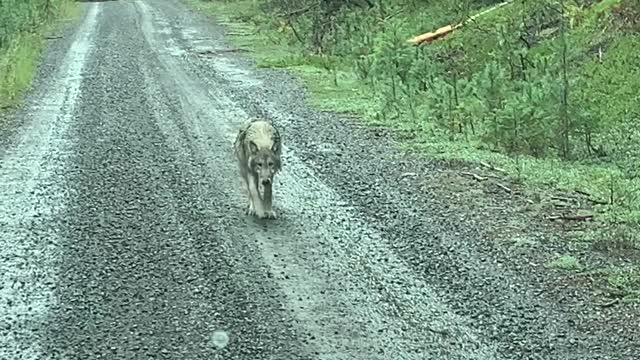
{"x":258,"y":151}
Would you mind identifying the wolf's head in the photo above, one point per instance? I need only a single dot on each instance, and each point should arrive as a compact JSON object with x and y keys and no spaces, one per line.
{"x":264,"y":162}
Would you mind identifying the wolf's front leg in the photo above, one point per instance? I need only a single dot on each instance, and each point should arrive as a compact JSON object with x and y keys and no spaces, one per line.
{"x":254,"y":194}
{"x":268,"y":201}
{"x":251,"y":210}
{"x":245,"y":190}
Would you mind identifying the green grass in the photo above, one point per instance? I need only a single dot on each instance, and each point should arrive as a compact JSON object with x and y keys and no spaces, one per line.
{"x":565,"y":262}
{"x":618,"y":282}
{"x":17,"y":66}
{"x":339,"y":89}
{"x":19,"y":59}
{"x":624,"y":281}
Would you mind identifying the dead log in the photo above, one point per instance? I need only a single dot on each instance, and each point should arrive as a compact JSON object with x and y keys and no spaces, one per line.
{"x":433,"y":35}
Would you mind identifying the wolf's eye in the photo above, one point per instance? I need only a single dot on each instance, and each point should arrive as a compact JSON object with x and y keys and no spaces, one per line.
{"x":270,"y":163}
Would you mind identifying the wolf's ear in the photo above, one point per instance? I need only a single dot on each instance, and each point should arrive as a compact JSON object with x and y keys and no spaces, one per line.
{"x":276,"y":146}
{"x":253,"y":147}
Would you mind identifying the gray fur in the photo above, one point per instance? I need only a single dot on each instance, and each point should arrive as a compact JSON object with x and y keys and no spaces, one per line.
{"x":258,"y":149}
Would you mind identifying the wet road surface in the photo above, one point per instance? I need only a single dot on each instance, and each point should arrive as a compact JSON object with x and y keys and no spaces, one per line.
{"x":124,"y":237}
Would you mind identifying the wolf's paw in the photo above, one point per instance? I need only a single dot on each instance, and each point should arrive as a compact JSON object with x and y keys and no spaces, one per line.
{"x":268,"y":215}
{"x":250,"y":211}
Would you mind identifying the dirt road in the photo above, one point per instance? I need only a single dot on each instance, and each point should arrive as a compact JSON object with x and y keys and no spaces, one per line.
{"x":122,"y":234}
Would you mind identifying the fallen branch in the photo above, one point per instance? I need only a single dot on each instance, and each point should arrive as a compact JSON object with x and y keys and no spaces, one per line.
{"x":492,"y":167}
{"x":571,"y":217}
{"x":295,"y":32}
{"x":475,"y":176}
{"x":609,"y":303}
{"x":220,"y":51}
{"x":504,"y":188}
{"x":600,"y":54}
{"x":53,"y":37}
{"x":560,"y":198}
{"x":597,"y":202}
{"x":409,"y":174}
{"x":238,"y":34}
{"x":583,"y":193}
{"x":433,"y":35}
{"x":390,"y":16}
{"x":561,"y":205}
{"x":591,"y":199}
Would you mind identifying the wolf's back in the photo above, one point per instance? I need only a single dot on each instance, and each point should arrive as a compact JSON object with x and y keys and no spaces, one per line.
{"x":240,"y":143}
{"x":263,"y":134}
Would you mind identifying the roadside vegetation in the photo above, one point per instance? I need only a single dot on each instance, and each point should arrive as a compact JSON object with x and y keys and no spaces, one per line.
{"x":545,"y":91}
{"x":23,"y":25}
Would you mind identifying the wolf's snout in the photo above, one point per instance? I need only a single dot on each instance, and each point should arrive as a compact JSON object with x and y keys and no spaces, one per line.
{"x":266,"y":181}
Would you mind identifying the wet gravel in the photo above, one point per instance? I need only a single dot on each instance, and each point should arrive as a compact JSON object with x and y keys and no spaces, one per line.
{"x":520,"y":308}
{"x":128,"y":214}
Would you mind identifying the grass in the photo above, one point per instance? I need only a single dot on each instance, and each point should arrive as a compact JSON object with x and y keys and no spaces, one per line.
{"x":339,"y":89}
{"x":624,"y":282}
{"x":19,"y":58}
{"x":334,"y":85}
{"x":565,"y":262}
{"x":618,"y":282}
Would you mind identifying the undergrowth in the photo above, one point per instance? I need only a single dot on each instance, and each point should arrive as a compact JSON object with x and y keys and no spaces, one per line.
{"x":548,"y":90}
{"x":23,"y":24}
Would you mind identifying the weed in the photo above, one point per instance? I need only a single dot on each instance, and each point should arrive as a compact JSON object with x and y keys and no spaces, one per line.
{"x":565,"y":262}
{"x":22,"y":25}
{"x":547,"y":90}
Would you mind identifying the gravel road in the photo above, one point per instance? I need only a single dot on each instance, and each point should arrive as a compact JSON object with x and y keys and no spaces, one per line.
{"x":122,"y":233}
